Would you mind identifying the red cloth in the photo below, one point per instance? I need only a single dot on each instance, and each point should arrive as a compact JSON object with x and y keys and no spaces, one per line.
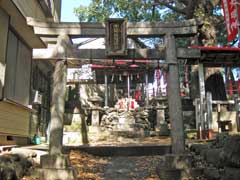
{"x":132,"y":104}
{"x":137,"y":95}
{"x":121,"y":104}
{"x":182,"y":94}
{"x":230,"y":17}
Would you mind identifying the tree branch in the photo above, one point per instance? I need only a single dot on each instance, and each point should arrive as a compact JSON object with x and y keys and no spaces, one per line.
{"x":191,"y":8}
{"x":185,"y":2}
{"x":234,"y":42}
{"x":188,"y":10}
{"x":139,"y":43}
{"x":167,"y":4}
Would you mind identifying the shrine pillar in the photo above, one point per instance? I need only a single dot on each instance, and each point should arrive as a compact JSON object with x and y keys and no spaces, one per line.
{"x":56,"y":165}
{"x":106,"y":90}
{"x":147,"y":94}
{"x":174,"y":99}
{"x":58,"y":105}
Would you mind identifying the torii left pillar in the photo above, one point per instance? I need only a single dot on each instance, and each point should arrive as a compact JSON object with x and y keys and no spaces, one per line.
{"x":55,"y":165}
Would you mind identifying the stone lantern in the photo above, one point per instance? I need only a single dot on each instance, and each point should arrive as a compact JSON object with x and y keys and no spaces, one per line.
{"x":95,"y":110}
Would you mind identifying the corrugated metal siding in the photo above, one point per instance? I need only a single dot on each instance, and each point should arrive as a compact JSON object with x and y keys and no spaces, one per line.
{"x":4,"y":21}
{"x":14,"y":120}
{"x":18,"y":71}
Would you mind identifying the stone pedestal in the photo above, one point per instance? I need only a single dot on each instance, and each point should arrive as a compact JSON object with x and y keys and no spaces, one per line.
{"x":160,"y":117}
{"x":95,"y":117}
{"x":164,"y":130}
{"x":178,"y":167}
{"x":169,"y":174}
{"x":94,"y":131}
{"x":54,"y":161}
{"x":95,"y":109}
{"x":56,"y":174}
{"x":55,"y":167}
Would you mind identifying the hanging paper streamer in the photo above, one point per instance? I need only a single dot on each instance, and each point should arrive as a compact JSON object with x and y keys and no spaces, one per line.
{"x":137,"y":76}
{"x":164,"y":89}
{"x":112,"y":78}
{"x":158,"y":76}
{"x":120,"y":77}
{"x":186,"y":81}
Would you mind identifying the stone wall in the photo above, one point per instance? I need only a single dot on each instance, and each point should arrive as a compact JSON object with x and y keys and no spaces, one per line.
{"x":220,"y":158}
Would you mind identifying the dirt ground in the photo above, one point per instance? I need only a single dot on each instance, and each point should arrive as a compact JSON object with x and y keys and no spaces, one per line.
{"x":114,"y":168}
{"x":89,"y":167}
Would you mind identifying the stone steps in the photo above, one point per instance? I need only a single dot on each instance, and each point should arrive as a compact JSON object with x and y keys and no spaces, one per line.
{"x":179,"y":174}
{"x":123,"y":150}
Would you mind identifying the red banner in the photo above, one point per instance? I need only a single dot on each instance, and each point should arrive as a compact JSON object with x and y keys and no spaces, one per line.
{"x":230,"y":16}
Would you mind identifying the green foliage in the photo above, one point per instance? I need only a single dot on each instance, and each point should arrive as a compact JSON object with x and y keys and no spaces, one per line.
{"x":134,"y":11}
{"x":213,"y":30}
{"x":169,"y":16}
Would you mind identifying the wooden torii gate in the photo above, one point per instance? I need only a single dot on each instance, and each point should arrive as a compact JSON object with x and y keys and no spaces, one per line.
{"x":65,"y":51}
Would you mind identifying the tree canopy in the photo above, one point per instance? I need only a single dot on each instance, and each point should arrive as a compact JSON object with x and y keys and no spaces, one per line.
{"x":211,"y":32}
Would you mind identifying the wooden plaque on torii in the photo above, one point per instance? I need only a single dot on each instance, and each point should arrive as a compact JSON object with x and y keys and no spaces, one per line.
{"x":116,"y":37}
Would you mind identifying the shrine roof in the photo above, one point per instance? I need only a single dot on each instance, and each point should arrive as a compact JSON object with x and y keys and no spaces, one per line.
{"x":216,"y":48}
{"x":214,"y":56}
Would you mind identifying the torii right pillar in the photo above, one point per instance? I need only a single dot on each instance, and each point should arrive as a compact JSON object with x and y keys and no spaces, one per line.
{"x":174,"y":98}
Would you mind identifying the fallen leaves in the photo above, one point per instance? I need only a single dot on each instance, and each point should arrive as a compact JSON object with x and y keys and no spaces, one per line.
{"x":30,"y":178}
{"x":88,"y":167}
{"x":91,"y":167}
